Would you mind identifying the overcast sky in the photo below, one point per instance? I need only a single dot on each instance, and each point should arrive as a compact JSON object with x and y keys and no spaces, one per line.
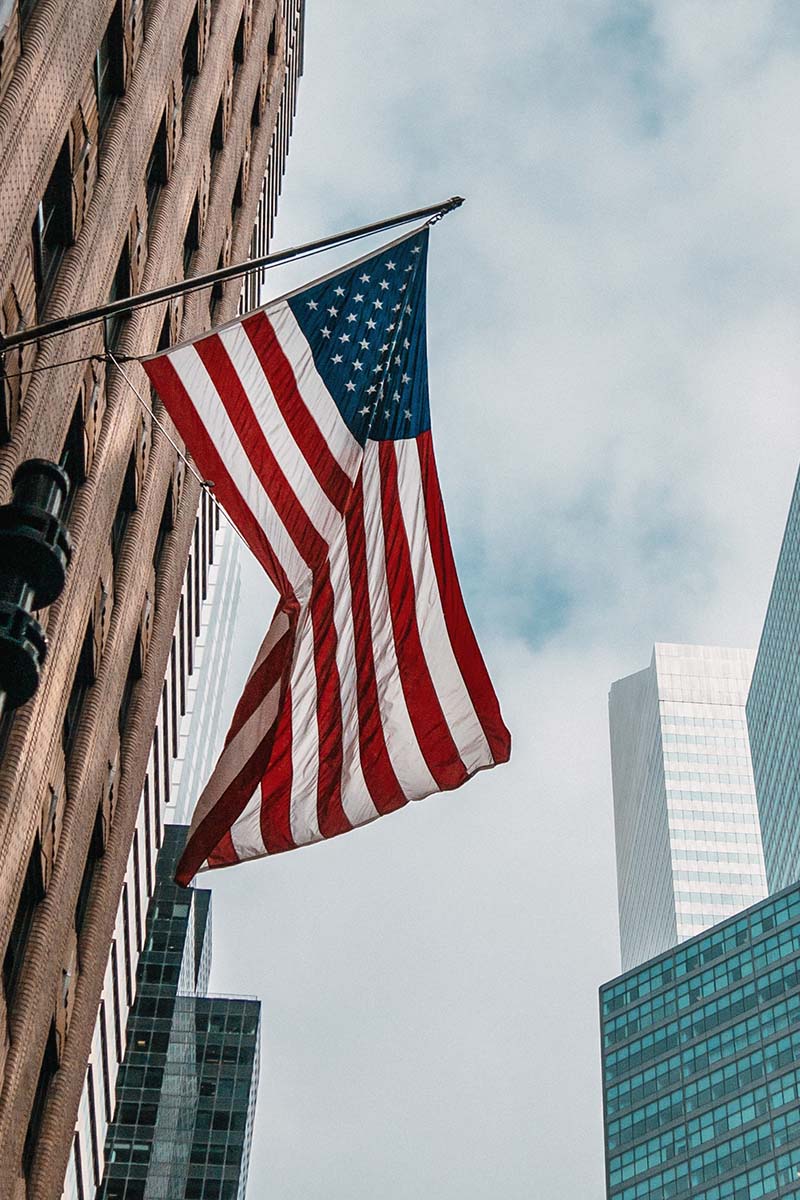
{"x":615,"y":369}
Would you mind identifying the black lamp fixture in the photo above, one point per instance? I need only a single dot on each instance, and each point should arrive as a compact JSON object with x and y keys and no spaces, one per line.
{"x":35,"y":551}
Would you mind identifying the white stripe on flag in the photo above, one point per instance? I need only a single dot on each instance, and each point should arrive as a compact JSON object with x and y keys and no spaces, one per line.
{"x":211,"y":411}
{"x":303,"y":817}
{"x":244,"y":360}
{"x":238,"y":753}
{"x":356,"y":800}
{"x":455,"y":700}
{"x":406,"y":757}
{"x":246,"y":829}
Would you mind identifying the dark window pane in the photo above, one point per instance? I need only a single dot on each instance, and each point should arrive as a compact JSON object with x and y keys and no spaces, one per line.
{"x":46,"y":1072}
{"x":191,"y":239}
{"x":93,"y":856}
{"x":52,"y":227}
{"x":218,"y":129}
{"x":190,"y":55}
{"x":84,"y":678}
{"x":32,"y":893}
{"x":217,"y":290}
{"x":26,"y":8}
{"x":120,"y":290}
{"x":73,"y":458}
{"x":109,"y":67}
{"x":238,"y":45}
{"x":156,"y":174}
{"x":131,"y":679}
{"x":126,"y":505}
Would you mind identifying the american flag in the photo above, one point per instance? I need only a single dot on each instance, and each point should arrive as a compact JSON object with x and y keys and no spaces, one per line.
{"x":312,"y":418}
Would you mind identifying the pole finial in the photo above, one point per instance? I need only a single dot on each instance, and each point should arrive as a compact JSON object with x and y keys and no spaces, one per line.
{"x":448,"y":206}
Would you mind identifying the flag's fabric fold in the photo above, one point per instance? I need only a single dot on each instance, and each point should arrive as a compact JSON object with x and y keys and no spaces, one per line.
{"x":312,"y":418}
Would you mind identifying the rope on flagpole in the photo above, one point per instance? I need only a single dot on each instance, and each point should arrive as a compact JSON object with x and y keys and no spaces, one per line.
{"x":206,"y":484}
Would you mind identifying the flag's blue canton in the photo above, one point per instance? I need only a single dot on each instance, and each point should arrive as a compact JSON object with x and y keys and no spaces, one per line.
{"x":366,"y":329}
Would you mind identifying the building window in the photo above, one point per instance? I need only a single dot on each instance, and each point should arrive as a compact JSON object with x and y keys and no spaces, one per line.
{"x":52,"y":227}
{"x":84,"y":678}
{"x":26,"y":8}
{"x":191,"y":56}
{"x":126,"y":506}
{"x":32,"y":893}
{"x":156,"y":175}
{"x":273,"y":38}
{"x":238,"y":45}
{"x":105,"y":1063}
{"x":76,"y":1148}
{"x":120,"y":290}
{"x":238,"y":191}
{"x":255,"y":115}
{"x":73,"y":458}
{"x":109,"y":67}
{"x":218,"y":129}
{"x":191,"y":241}
{"x":131,"y":679}
{"x":217,"y":290}
{"x":47,"y":1071}
{"x":93,"y":856}
{"x":164,"y":528}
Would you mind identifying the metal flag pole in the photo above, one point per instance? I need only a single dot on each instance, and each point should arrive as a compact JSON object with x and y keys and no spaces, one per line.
{"x":195,"y":283}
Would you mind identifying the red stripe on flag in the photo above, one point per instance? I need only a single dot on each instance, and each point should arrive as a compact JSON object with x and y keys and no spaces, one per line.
{"x":330,"y":811}
{"x":224,"y":854}
{"x":260,"y":684}
{"x":314,"y":550}
{"x":189,"y":425}
{"x":280,"y":376}
{"x":431,"y":729}
{"x":310,"y":545}
{"x":276,"y":786}
{"x":212,"y":829}
{"x":379,"y":775}
{"x":462,"y":637}
{"x":208,"y":839}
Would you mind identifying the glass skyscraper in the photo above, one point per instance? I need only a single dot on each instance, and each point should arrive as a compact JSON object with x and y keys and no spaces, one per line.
{"x":701,"y":1064}
{"x":773,"y":713}
{"x":686,"y":825}
{"x":187,"y":1085}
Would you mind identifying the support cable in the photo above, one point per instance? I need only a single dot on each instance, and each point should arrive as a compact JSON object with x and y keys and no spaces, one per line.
{"x":206,"y":484}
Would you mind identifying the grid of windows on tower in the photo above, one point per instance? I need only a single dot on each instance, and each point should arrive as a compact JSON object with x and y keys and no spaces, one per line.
{"x":772,"y":708}
{"x":187,"y":1085}
{"x":701,"y":1082}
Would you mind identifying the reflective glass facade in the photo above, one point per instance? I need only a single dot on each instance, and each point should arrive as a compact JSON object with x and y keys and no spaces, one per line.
{"x":701,"y":1064}
{"x":187,"y":1085}
{"x":685,"y":818}
{"x":773,"y":713}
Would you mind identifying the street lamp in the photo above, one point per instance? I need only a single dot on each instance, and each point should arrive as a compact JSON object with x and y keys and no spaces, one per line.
{"x":35,"y":551}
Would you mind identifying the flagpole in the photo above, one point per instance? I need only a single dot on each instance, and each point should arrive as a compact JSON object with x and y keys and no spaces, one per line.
{"x":195,"y":283}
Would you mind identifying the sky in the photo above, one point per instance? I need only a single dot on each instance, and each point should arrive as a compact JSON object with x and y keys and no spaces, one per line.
{"x":614,"y":366}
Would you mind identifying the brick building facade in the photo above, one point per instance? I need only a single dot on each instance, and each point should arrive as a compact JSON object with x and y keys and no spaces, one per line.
{"x":134,"y":139}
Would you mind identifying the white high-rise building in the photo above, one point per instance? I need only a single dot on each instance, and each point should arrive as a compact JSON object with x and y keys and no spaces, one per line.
{"x":685,"y":817}
{"x":201,"y":729}
{"x":190,"y":705}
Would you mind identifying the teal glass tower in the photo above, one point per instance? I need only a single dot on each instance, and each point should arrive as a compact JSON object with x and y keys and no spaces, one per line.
{"x":701,"y":1064}
{"x":773,"y":714}
{"x":187,"y":1085}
